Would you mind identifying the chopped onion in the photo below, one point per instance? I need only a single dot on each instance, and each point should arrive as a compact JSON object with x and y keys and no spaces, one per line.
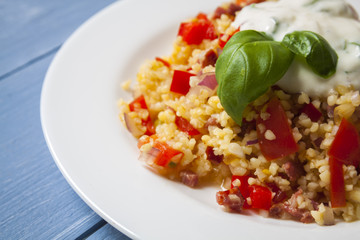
{"x":252,"y":142}
{"x":197,"y":90}
{"x":208,"y":80}
{"x":132,"y":127}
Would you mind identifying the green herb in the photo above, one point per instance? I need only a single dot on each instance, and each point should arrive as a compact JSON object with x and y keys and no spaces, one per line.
{"x":251,"y":62}
{"x":319,"y":55}
{"x":172,"y":164}
{"x":249,"y":65}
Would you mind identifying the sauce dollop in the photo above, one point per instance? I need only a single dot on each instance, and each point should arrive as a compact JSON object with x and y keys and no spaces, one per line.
{"x":335,"y":20}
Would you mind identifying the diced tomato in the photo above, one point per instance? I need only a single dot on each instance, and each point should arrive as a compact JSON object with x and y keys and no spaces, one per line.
{"x":202,"y":16}
{"x":312,"y":112}
{"x":260,"y":197}
{"x":185,"y":126}
{"x":277,"y":122}
{"x":224,"y":39}
{"x":196,"y":31}
{"x":180,"y":82}
{"x":244,"y":188}
{"x":136,"y":105}
{"x":150,"y":128}
{"x":337,"y":186}
{"x":346,"y":144}
{"x":166,"y":63}
{"x":165,"y":154}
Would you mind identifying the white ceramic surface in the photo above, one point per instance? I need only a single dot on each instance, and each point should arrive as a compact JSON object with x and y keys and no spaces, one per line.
{"x":97,"y":155}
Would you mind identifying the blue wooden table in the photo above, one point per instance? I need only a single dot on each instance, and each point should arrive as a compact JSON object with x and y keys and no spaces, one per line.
{"x":36,"y":202}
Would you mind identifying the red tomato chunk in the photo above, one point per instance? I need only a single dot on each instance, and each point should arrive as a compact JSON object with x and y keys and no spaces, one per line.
{"x":138,"y":104}
{"x":337,"y":185}
{"x":345,"y":149}
{"x":277,"y":122}
{"x":346,"y":145}
{"x":185,"y":126}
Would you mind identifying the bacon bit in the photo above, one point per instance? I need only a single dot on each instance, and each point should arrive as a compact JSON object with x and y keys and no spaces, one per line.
{"x":247,"y":127}
{"x":293,"y":170}
{"x":210,"y":58}
{"x":166,"y":63}
{"x":230,"y":11}
{"x":301,"y":215}
{"x":218,"y":12}
{"x":312,"y":112}
{"x":189,"y":178}
{"x":231,"y":199}
{"x":233,"y":8}
{"x":317,"y":142}
{"x":280,"y":195}
{"x":276,"y":210}
{"x":212,"y":157}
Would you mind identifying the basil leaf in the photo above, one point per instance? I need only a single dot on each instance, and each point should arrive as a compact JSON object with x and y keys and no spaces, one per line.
{"x":236,"y":42}
{"x":318,"y":53}
{"x":249,"y":70}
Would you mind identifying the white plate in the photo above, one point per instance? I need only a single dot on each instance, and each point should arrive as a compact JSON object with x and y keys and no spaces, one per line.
{"x":97,"y":155}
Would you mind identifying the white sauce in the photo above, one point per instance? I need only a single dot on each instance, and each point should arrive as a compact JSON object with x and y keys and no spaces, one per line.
{"x":335,"y":20}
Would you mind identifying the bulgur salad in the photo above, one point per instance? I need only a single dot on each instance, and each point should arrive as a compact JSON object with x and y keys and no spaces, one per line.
{"x":260,"y":98}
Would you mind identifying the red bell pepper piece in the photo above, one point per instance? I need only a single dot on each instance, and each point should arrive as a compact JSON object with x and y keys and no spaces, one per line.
{"x":244,"y":188}
{"x":337,"y":186}
{"x":166,"y":63}
{"x":346,"y":145}
{"x":196,"y":31}
{"x":163,"y":154}
{"x":312,"y":112}
{"x":277,"y":122}
{"x":260,"y":197}
{"x":180,"y":82}
{"x":222,"y":41}
{"x":136,"y":105}
{"x":185,"y":126}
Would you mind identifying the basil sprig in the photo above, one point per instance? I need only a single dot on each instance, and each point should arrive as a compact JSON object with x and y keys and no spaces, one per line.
{"x":248,"y":66}
{"x":319,"y":55}
{"x":251,"y":62}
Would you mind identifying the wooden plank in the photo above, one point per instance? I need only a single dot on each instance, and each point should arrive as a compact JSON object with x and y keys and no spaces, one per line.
{"x":35,"y":200}
{"x":108,"y":233}
{"x":30,"y":28}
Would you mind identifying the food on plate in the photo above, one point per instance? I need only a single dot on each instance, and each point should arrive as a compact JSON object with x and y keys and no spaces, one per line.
{"x":260,"y":98}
